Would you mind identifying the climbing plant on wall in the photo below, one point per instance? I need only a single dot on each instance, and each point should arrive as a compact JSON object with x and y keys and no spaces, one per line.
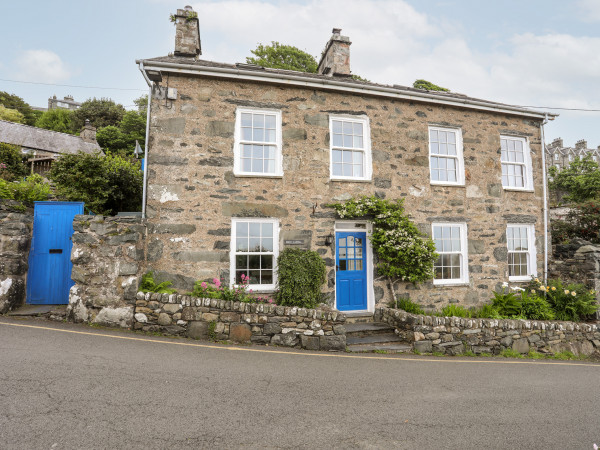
{"x":403,"y":252}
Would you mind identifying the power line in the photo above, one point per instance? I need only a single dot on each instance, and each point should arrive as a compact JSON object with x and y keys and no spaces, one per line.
{"x":144,"y":90}
{"x":75,"y":86}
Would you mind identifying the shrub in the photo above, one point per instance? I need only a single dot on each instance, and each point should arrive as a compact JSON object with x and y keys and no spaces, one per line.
{"x":487,"y":311}
{"x":571,"y":302}
{"x":6,"y":190}
{"x":148,"y":285}
{"x":507,"y":304}
{"x":536,"y":308}
{"x":582,"y":221}
{"x":301,"y":273}
{"x":407,"y":305}
{"x":220,"y":291}
{"x":455,"y":311}
{"x":12,"y":166}
{"x":32,"y":189}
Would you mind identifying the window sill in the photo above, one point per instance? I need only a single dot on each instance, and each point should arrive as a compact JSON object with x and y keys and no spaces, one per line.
{"x":257,"y":175}
{"x":442,"y":283}
{"x":352,"y":180}
{"x":526,"y":279}
{"x":433,"y":183}
{"x":514,"y":189}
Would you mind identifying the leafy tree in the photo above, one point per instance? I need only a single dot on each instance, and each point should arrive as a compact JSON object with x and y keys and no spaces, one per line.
{"x":106,"y":184}
{"x":580,"y":180}
{"x":12,"y":101}
{"x":11,"y":115}
{"x":12,"y":165}
{"x":57,"y":120}
{"x":122,"y":139}
{"x":279,"y":56}
{"x":428,"y":86}
{"x":142,"y":104}
{"x":100,"y":112}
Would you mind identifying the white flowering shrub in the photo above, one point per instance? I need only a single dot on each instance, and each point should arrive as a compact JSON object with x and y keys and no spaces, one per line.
{"x":404,"y":253}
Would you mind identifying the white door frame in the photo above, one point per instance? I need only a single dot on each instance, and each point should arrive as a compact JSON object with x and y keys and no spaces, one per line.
{"x":367,"y":227}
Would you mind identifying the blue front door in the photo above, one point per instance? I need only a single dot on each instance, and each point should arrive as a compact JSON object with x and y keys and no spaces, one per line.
{"x":351,"y":271}
{"x":49,"y":274}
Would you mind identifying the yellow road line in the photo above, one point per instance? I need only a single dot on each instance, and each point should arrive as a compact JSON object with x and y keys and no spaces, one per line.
{"x":296,"y":353}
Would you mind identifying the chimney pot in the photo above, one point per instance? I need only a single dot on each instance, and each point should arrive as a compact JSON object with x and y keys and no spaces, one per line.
{"x":335,"y":59}
{"x":88,"y":132}
{"x":581,"y":144}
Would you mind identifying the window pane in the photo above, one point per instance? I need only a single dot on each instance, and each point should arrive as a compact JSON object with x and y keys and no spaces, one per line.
{"x":350,"y":241}
{"x":433,"y":135}
{"x":267,"y":245}
{"x":347,"y":141}
{"x":337,"y":140}
{"x":257,"y":165}
{"x":358,"y":264}
{"x":267,"y":230}
{"x":357,"y":157}
{"x":254,"y":229}
{"x":241,"y":229}
{"x":238,"y":276}
{"x":337,"y":126}
{"x":246,"y":119}
{"x":266,"y":277}
{"x":358,"y":129}
{"x":347,"y":170}
{"x":435,"y":149}
{"x":270,"y":122}
{"x":336,"y":156}
{"x":342,"y":264}
{"x":254,"y":245}
{"x":266,"y":261}
{"x":347,"y":126}
{"x":342,"y":242}
{"x":358,"y":142}
{"x":259,"y":134}
{"x":247,"y":165}
{"x":270,"y":166}
{"x":347,"y":156}
{"x":257,"y":151}
{"x":254,"y":276}
{"x":246,"y":151}
{"x":337,"y":169}
{"x":442,"y":136}
{"x":241,"y":245}
{"x":241,"y":262}
{"x":434,"y":162}
{"x":342,"y":253}
{"x":270,"y":136}
{"x":258,"y":120}
{"x":254,"y":261}
{"x":451,"y":137}
{"x":358,"y":171}
{"x":247,"y":134}
{"x":443,"y":149}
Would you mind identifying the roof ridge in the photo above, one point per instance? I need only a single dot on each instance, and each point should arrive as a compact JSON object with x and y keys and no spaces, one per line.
{"x":43,"y":129}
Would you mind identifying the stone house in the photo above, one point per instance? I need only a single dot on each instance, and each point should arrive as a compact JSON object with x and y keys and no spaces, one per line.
{"x":560,"y":156}
{"x":67,"y":102}
{"x":243,"y":161}
{"x":43,"y":146}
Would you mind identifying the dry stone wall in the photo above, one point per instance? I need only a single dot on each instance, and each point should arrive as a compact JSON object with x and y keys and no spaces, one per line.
{"x":454,"y":335}
{"x":194,"y":194}
{"x":108,"y":262}
{"x":16,"y":229}
{"x":204,"y":318}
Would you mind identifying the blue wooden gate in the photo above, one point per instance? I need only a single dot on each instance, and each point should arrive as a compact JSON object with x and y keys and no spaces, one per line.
{"x":49,"y":275}
{"x":351,"y":271}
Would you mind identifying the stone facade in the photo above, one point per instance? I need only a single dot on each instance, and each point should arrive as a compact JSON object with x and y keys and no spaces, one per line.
{"x":455,"y":336}
{"x":107,"y":257}
{"x":193,"y":193}
{"x":206,"y":318}
{"x":16,"y":229}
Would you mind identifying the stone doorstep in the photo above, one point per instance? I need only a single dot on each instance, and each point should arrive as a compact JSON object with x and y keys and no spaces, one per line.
{"x":32,"y":310}
{"x":366,"y":329}
{"x":387,"y":347}
{"x":374,"y":339}
{"x":359,"y":317}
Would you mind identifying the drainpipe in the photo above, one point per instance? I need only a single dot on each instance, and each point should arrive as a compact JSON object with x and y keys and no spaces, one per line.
{"x":545,"y":200}
{"x":144,"y":190}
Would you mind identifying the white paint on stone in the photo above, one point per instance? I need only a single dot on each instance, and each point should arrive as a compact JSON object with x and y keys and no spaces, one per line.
{"x":416,"y":191}
{"x":120,"y":317}
{"x":5,"y":286}
{"x":179,"y":239}
{"x":167,"y":196}
{"x":128,"y":282}
{"x":473,"y":191}
{"x":140,"y":317}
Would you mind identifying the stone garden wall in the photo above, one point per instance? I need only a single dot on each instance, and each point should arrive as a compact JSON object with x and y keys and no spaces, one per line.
{"x":454,"y":335}
{"x":576,"y":262}
{"x":16,"y":228}
{"x":107,"y":256}
{"x":198,"y":318}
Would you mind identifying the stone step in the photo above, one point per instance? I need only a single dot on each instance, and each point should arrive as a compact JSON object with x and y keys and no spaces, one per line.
{"x":387,"y":338}
{"x":366,"y":329}
{"x":358,"y":317}
{"x":389,"y":348}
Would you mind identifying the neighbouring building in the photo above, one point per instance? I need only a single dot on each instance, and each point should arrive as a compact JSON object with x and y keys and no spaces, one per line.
{"x":559,"y":156}
{"x":43,"y":146}
{"x":243,"y":162}
{"x":66,"y":103}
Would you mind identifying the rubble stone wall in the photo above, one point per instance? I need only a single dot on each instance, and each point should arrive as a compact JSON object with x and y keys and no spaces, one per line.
{"x":16,"y":229}
{"x":194,"y":194}
{"x":108,"y":262}
{"x":454,"y":335}
{"x":205,"y":318}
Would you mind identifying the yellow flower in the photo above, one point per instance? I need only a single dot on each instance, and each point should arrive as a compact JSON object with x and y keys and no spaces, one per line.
{"x":537,"y":280}
{"x":567,"y":291}
{"x":533,"y":291}
{"x":573,"y":293}
{"x":553,"y":288}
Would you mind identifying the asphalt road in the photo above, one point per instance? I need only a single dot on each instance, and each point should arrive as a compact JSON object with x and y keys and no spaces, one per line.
{"x":65,"y":386}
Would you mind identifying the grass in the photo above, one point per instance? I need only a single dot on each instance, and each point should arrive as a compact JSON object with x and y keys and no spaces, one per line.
{"x":510,"y":353}
{"x":383,"y":352}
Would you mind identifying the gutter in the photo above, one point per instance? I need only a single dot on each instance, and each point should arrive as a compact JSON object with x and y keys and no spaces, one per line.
{"x":144,"y":190}
{"x":335,"y":85}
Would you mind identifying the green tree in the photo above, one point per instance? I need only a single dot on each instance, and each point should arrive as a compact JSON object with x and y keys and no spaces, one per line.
{"x":107,"y":184}
{"x":121,"y":139}
{"x":428,"y":86}
{"x":11,"y":115}
{"x":142,"y":104}
{"x":12,"y":101}
{"x":56,"y":120}
{"x":580,"y":180}
{"x":279,"y":56}
{"x":100,"y":112}
{"x":12,"y":165}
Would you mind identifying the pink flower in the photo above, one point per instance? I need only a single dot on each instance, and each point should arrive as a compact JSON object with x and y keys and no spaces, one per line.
{"x":270,"y":300}
{"x":203,"y":285}
{"x":217,"y":282}
{"x":250,"y":291}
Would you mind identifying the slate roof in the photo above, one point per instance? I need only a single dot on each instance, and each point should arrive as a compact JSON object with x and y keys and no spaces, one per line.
{"x":252,"y":68}
{"x":40,"y":139}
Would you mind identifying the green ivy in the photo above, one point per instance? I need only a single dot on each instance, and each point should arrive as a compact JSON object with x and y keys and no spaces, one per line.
{"x":301,"y":273}
{"x":403,"y":252}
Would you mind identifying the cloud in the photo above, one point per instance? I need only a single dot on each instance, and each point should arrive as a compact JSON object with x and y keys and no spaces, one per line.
{"x":43,"y":66}
{"x":590,"y":10}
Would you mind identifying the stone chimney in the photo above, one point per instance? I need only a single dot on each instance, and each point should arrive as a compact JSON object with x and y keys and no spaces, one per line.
{"x":581,"y":144}
{"x":187,"y":33}
{"x":88,"y":132}
{"x":335,"y":59}
{"x":557,"y":143}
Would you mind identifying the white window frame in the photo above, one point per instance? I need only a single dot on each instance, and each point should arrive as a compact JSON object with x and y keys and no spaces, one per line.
{"x":556,"y":157}
{"x":464,"y":263}
{"x":237,"y":146}
{"x":460,"y":162}
{"x":527,"y":165}
{"x":233,"y":253}
{"x":367,"y":158}
{"x":532,"y":262}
